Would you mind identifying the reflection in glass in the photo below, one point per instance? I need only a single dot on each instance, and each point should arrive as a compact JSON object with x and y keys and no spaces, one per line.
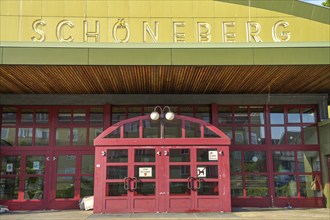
{"x":86,"y":186}
{"x":193,"y":130}
{"x":118,"y":172}
{"x":293,"y":115}
{"x":9,"y":188}
{"x":10,"y":165}
{"x":8,"y":116}
{"x":257,"y":115}
{"x":131,"y":130}
{"x":79,"y":136}
{"x":42,"y":116}
{"x":93,"y":133}
{"x":173,"y":129}
{"x":35,"y":164}
{"x":145,"y":189}
{"x":41,"y":137}
{"x":179,"y":155}
{"x":96,"y":116}
{"x":116,"y":189}
{"x":284,"y":161}
{"x":294,"y":135}
{"x":8,"y":136}
{"x":278,"y":135}
{"x":79,"y":116}
{"x":151,"y":129}
{"x":66,"y":164}
{"x":241,"y":135}
{"x":236,"y":185}
{"x":63,"y":136}
{"x":210,"y":134}
{"x":235,"y":162}
{"x":308,"y":115}
{"x":117,"y":156}
{"x":255,"y":161}
{"x":276,"y":115}
{"x":228,"y":131}
{"x":134,"y":111}
{"x":241,"y":115}
{"x":310,"y":135}
{"x":114,"y":134}
{"x":256,"y":185}
{"x":87,"y":164}
{"x":285,"y":185}
{"x":204,"y":155}
{"x":25,"y":136}
{"x":308,"y":161}
{"x":258,"y":135}
{"x":179,"y":188}
{"x":179,"y":172}
{"x":225,"y":115}
{"x":144,"y":155}
{"x":305,"y":188}
{"x":27,"y":116}
{"x":65,"y":187}
{"x":34,"y":188}
{"x":64,"y":116}
{"x":208,"y":188}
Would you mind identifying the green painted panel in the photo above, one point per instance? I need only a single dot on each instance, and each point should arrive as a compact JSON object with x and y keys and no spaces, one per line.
{"x":230,"y":56}
{"x":73,"y":56}
{"x":278,"y":56}
{"x":320,"y":14}
{"x":282,"y":6}
{"x":302,"y":9}
{"x":1,"y":62}
{"x":131,"y":56}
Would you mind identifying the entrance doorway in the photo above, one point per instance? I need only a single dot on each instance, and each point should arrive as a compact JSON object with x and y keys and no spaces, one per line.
{"x":156,"y":175}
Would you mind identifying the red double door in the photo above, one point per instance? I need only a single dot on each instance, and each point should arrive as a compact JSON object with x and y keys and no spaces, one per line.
{"x":164,"y":179}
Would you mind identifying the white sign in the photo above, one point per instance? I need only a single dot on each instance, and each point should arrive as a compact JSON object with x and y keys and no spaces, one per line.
{"x":36,"y":165}
{"x":145,"y":171}
{"x":213,"y":155}
{"x":201,"y":171}
{"x":10,"y":167}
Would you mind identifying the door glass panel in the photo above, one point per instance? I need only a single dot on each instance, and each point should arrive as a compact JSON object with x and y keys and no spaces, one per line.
{"x":145,"y":189}
{"x":283,"y":161}
{"x":144,"y":155}
{"x":255,"y":161}
{"x":180,"y":155}
{"x":308,"y":161}
{"x":8,"y":136}
{"x":193,"y":130}
{"x":66,"y":164}
{"x":173,"y":129}
{"x":65,"y":187}
{"x":10,"y":165}
{"x":207,"y":171}
{"x":179,"y":172}
{"x":63,"y":136}
{"x":151,"y":129}
{"x":285,"y":185}
{"x":256,"y":185}
{"x":34,"y":188}
{"x":235,"y":162}
{"x":87,"y":164}
{"x":236,"y":185}
{"x":207,"y":155}
{"x":86,"y":186}
{"x":305,"y":188}
{"x":79,"y":136}
{"x":131,"y":130}
{"x":179,"y":188}
{"x":117,"y":172}
{"x":35,"y":164}
{"x":117,"y":156}
{"x":25,"y":136}
{"x":9,"y":188}
{"x":145,"y":172}
{"x":208,"y":188}
{"x":116,"y":189}
{"x":41,"y":137}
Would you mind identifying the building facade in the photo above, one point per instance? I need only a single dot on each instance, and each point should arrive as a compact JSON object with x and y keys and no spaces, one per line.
{"x":247,"y":81}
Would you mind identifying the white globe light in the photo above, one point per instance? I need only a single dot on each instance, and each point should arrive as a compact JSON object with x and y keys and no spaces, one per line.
{"x":154,"y":116}
{"x":169,"y":116}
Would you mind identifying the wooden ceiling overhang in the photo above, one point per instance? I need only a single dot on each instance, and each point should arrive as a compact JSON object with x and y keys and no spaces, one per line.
{"x":165,"y":69}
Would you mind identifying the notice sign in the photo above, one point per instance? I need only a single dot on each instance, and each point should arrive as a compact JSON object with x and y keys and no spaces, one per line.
{"x":36,"y":165}
{"x":145,"y":171}
{"x":9,"y":167}
{"x":201,"y":171}
{"x":213,"y":155}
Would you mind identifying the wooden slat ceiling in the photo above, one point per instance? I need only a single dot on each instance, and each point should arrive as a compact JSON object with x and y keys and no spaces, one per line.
{"x":50,"y":79}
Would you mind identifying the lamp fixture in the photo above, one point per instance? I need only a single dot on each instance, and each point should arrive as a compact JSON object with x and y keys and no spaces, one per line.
{"x":155,"y":115}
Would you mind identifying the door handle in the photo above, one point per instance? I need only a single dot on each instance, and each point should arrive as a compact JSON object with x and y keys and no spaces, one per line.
{"x":135,"y":183}
{"x":198,"y":183}
{"x":126,"y":183}
{"x":189,"y":182}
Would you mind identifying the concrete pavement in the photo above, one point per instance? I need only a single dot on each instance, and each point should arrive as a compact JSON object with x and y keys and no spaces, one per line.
{"x":239,"y":214}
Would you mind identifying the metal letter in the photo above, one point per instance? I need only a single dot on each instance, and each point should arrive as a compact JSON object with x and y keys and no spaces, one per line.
{"x":178,"y":37}
{"x":95,"y":34}
{"x":120,"y":24}
{"x":147,"y":28}
{"x":204,"y":36}
{"x":228,"y":36}
{"x":255,"y":34}
{"x":35,"y":25}
{"x":59,"y":29}
{"x":285,"y":35}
